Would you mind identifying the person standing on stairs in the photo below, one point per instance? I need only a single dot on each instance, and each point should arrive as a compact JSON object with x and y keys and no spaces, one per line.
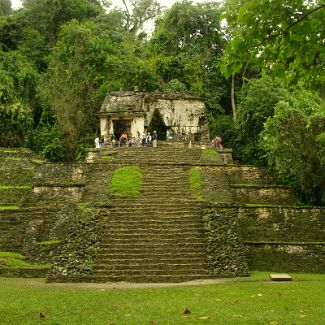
{"x":154,"y":139}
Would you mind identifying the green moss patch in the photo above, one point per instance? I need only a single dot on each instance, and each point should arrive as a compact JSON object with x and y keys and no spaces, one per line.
{"x":38,"y":161}
{"x":107,"y":158}
{"x":16,"y":260}
{"x":209,"y":153}
{"x":195,"y":181}
{"x":9,"y":207}
{"x":14,"y":158}
{"x":49,"y":242}
{"x":126,"y":181}
{"x":10,"y":187}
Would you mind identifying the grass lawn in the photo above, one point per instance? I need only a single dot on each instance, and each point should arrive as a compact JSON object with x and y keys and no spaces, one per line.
{"x":243,"y":301}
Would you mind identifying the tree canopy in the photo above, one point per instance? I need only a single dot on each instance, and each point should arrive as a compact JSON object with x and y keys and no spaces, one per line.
{"x":259,"y":65}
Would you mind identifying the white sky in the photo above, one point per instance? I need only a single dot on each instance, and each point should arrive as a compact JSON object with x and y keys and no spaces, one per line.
{"x":166,"y":3}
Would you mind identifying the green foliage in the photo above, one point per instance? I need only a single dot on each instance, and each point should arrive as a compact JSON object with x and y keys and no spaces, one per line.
{"x":187,"y":42}
{"x":223,"y":126}
{"x":174,"y":86}
{"x":47,"y":141}
{"x":256,"y":104}
{"x":17,"y":86}
{"x":5,"y":7}
{"x":195,"y":181}
{"x":284,"y":38}
{"x":293,"y":141}
{"x":126,"y":181}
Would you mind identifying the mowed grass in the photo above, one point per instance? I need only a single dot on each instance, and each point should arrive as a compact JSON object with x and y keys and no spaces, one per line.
{"x":234,"y":302}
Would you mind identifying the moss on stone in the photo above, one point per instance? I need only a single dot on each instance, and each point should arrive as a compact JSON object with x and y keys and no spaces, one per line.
{"x":9,"y":207}
{"x":208,"y":153}
{"x":107,"y":158}
{"x":17,"y":260}
{"x":195,"y":181}
{"x":49,"y":242}
{"x":126,"y":181}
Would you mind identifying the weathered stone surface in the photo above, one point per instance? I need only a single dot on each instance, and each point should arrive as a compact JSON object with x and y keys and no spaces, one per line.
{"x":225,"y":250}
{"x":49,"y":227}
{"x":280,"y":277}
{"x":182,"y":114}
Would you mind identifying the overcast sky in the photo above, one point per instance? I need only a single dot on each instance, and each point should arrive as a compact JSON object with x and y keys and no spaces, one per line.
{"x":165,"y":3}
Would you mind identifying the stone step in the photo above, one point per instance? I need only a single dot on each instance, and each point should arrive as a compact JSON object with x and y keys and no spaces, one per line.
{"x":149,"y":267}
{"x":157,"y":278}
{"x":153,"y":228}
{"x":159,"y":236}
{"x":177,"y":213}
{"x":151,"y":245}
{"x":153,"y":271}
{"x":151,"y":255}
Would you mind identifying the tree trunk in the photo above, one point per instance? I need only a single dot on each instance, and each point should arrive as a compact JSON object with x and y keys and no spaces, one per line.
{"x":233,"y":102}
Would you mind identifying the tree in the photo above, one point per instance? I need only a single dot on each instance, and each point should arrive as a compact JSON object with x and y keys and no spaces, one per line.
{"x":138,"y":12}
{"x":187,"y":44}
{"x":256,"y":103}
{"x":17,"y":91}
{"x":294,"y":144}
{"x":5,"y":7}
{"x":48,"y":15}
{"x":284,"y":38}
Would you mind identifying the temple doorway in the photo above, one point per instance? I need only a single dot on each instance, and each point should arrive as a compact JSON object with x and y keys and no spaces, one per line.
{"x":120,"y":126}
{"x":157,"y":124}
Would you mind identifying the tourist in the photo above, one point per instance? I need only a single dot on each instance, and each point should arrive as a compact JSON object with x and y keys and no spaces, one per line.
{"x":123,"y":139}
{"x":149,"y":139}
{"x":144,"y":140}
{"x":112,"y":141}
{"x":138,"y":139}
{"x":97,"y":143}
{"x":101,"y":143}
{"x":218,"y":143}
{"x":154,"y":139}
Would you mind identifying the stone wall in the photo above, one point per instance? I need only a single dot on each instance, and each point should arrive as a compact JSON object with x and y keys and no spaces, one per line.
{"x":225,"y":250}
{"x":279,"y":239}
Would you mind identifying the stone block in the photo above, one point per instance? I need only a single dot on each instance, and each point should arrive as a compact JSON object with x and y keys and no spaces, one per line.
{"x":280,"y":277}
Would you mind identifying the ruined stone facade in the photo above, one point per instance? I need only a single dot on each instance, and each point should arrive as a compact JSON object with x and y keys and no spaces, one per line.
{"x":173,"y":116}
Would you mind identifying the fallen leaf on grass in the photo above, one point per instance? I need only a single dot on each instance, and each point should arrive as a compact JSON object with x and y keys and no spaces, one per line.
{"x":186,"y":312}
{"x":41,"y":315}
{"x":302,"y":316}
{"x":238,"y":316}
{"x":273,"y":323}
{"x":235,"y":302}
{"x":204,"y":317}
{"x":152,"y":322}
{"x":259,"y":295}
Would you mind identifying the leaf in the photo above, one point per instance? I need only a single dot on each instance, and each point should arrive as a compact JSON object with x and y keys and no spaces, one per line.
{"x":186,"y":312}
{"x":152,"y":322}
{"x":235,"y":302}
{"x":41,"y":315}
{"x":204,"y":317}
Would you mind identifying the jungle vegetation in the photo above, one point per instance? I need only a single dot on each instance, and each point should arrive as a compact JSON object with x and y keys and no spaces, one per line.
{"x":259,"y":65}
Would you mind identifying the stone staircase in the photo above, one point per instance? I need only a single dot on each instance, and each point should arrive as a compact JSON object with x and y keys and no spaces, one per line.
{"x":159,"y":156}
{"x":157,"y":236}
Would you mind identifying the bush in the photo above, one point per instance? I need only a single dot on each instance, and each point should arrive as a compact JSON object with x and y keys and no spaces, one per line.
{"x":294,"y":140}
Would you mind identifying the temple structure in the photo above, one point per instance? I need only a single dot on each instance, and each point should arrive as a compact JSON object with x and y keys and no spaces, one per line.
{"x":175,"y":117}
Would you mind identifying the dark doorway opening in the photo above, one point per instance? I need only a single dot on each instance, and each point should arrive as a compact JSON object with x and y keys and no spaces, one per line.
{"x":121,"y":126}
{"x":157,"y":124}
